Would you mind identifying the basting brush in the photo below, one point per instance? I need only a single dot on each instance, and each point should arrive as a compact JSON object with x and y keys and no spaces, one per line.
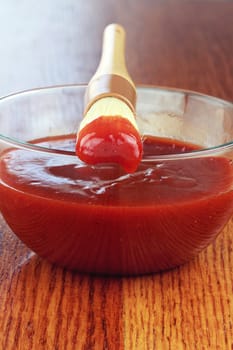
{"x":108,"y":133}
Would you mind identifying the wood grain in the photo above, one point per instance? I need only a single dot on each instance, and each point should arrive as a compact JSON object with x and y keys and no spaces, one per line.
{"x":188,"y":44}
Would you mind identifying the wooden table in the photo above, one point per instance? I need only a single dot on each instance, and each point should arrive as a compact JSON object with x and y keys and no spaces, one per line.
{"x":187,"y":44}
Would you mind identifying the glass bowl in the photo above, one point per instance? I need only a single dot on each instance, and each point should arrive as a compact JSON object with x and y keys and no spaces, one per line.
{"x":98,"y":219}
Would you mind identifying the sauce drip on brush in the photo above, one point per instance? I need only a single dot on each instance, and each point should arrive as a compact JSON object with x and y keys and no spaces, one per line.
{"x":108,"y":132}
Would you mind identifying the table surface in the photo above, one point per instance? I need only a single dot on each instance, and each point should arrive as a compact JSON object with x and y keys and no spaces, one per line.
{"x":185,"y":44}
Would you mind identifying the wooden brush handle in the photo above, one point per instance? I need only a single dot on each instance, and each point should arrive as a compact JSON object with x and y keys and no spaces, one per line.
{"x":112,"y":77}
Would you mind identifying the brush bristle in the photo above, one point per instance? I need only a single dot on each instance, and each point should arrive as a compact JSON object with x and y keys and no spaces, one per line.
{"x":109,"y":106}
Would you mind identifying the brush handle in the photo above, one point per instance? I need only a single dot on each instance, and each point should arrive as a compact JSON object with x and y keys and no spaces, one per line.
{"x":112,"y":78}
{"x":113,"y":53}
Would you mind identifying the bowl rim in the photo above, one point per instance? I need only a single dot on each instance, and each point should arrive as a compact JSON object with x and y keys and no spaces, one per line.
{"x":204,"y":152}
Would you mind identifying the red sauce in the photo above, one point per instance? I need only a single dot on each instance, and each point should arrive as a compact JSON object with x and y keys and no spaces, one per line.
{"x":110,"y":140}
{"x":101,"y":219}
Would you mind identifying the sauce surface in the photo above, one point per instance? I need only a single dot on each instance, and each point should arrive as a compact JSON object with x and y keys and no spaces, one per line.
{"x":101,"y":219}
{"x":163,"y":182}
